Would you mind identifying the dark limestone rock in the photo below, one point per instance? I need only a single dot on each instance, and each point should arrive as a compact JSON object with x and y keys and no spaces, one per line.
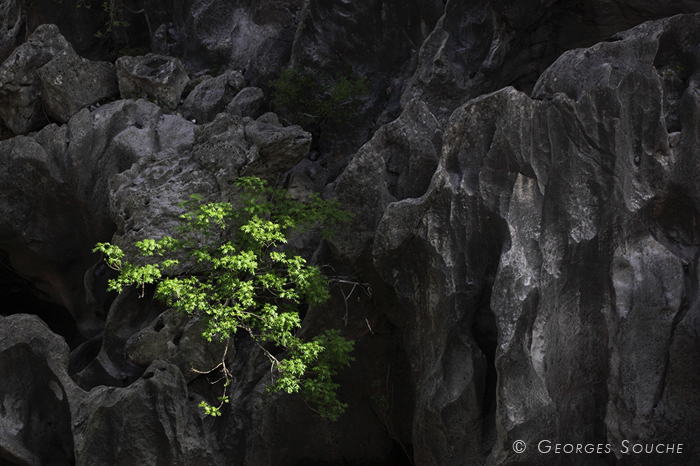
{"x":20,"y":86}
{"x":58,"y":179}
{"x":70,"y":83}
{"x":235,"y":34}
{"x":12,"y":22}
{"x":374,"y":39}
{"x":479,"y":47}
{"x":152,"y":421}
{"x":278,"y":147}
{"x":36,"y":394}
{"x":366,"y":35}
{"x":519,"y":267}
{"x":271,"y":58}
{"x":211,"y":96}
{"x":554,"y":257}
{"x":144,"y":199}
{"x":178,"y":339}
{"x":130,"y":313}
{"x":396,"y":164}
{"x":249,"y":102}
{"x":164,"y":41}
{"x":451,"y":62}
{"x":156,"y":76}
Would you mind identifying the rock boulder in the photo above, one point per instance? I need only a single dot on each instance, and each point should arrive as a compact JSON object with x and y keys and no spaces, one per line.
{"x":156,"y":76}
{"x":70,"y":83}
{"x":20,"y":85}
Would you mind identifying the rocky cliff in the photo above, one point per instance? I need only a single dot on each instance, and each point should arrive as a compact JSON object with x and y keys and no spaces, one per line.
{"x":522,"y":265}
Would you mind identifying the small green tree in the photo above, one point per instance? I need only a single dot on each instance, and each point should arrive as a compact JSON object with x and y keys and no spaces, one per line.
{"x":239,"y":279}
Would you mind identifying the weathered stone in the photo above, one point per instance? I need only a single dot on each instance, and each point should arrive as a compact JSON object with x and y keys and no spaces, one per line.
{"x":178,"y":339}
{"x":397,"y":163}
{"x":479,"y":47}
{"x":130,"y":313}
{"x":248,"y":102}
{"x":234,"y":34}
{"x":20,"y":87}
{"x":152,"y":421}
{"x":145,"y":199}
{"x":589,"y":217}
{"x":221,"y":149}
{"x":70,"y":83}
{"x":59,"y":178}
{"x":529,"y":274}
{"x":271,"y":58}
{"x":279,"y":148}
{"x":211,"y":96}
{"x":159,"y":77}
{"x":12,"y":19}
{"x":355,"y":39}
{"x":165,"y":40}
{"x":36,"y":394}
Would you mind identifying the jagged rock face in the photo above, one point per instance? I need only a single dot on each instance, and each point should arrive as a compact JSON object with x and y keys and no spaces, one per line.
{"x":12,"y":20}
{"x":58,"y":178}
{"x":37,"y":397}
{"x":479,"y":47}
{"x":20,"y":86}
{"x":206,"y":160}
{"x":70,"y":83}
{"x":156,"y":76}
{"x":586,"y":280}
{"x":236,"y":34}
{"x":211,"y":96}
{"x":150,"y":422}
{"x":248,"y":102}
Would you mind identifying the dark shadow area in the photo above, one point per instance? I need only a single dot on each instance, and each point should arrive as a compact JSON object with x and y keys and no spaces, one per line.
{"x":20,"y":296}
{"x":485,"y":333}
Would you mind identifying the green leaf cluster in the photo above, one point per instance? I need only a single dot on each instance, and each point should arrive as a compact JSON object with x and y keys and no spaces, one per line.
{"x":316,"y":102}
{"x":239,"y":278}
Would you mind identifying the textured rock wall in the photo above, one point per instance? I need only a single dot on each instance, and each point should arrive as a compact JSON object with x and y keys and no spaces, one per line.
{"x":525,"y":243}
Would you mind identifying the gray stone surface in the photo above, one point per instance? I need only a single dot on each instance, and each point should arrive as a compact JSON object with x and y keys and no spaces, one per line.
{"x":249,"y":102}
{"x":396,"y":164}
{"x":211,"y":96}
{"x":20,"y":87}
{"x":67,"y":185}
{"x":278,"y":147}
{"x":12,"y":19}
{"x":158,"y":77}
{"x":178,"y":339}
{"x":144,"y":200}
{"x":479,"y":47}
{"x":150,"y":422}
{"x":562,"y":255}
{"x":35,"y":393}
{"x":70,"y":83}
{"x":236,"y":34}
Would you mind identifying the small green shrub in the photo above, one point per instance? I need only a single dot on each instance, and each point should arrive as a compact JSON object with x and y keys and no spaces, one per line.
{"x":317,"y":102}
{"x":239,"y":279}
